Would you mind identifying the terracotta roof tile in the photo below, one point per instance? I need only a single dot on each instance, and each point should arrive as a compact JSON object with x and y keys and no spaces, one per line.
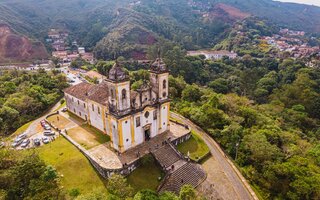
{"x":80,"y":90}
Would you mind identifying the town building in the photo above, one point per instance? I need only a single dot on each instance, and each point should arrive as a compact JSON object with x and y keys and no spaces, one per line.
{"x":128,"y":117}
{"x":213,"y":55}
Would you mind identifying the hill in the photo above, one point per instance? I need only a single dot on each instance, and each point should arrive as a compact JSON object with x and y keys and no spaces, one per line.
{"x":14,"y":47}
{"x":128,"y":27}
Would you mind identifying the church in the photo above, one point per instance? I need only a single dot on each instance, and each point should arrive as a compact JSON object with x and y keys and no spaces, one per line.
{"x":129,"y":117}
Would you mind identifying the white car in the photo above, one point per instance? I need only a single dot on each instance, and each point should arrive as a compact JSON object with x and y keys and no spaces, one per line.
{"x":45,"y":140}
{"x":48,"y":133}
{"x":17,"y":142}
{"x":25,"y":143}
{"x":47,"y":127}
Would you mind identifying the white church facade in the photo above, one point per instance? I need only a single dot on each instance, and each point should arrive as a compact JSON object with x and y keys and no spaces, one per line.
{"x":129,"y":117}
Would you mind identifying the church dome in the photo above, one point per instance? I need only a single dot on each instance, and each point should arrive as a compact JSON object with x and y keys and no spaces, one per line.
{"x":117,"y":73}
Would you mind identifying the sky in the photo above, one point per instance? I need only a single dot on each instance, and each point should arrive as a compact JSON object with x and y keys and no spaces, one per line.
{"x":310,"y":2}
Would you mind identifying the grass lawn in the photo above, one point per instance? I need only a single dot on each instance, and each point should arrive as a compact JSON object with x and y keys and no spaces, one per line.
{"x":195,"y":146}
{"x":146,"y":176}
{"x":17,"y":132}
{"x":88,"y":136}
{"x":73,"y":167}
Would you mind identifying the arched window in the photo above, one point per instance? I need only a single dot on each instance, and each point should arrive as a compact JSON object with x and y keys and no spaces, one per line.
{"x":124,"y":94}
{"x":164,"y":84}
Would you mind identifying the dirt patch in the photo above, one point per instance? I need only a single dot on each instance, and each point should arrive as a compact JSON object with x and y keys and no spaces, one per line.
{"x":14,"y":47}
{"x":60,"y":122}
{"x":226,"y":13}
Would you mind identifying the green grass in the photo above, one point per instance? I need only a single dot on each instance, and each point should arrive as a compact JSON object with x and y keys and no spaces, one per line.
{"x":73,"y":167}
{"x":196,"y":147}
{"x":20,"y":130}
{"x":146,"y":176}
{"x":99,"y":136}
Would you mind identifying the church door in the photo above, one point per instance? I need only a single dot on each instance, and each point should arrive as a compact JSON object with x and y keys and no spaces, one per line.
{"x":147,"y":135}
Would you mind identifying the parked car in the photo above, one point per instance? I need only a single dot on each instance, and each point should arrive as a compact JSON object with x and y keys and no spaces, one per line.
{"x":45,"y":140}
{"x":36,"y":142}
{"x":48,"y":133}
{"x":47,"y":127}
{"x":25,"y":143}
{"x":17,"y":142}
{"x":64,"y":109}
{"x":22,"y":136}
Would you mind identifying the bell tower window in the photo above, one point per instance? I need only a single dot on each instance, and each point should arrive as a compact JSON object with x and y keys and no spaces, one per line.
{"x":124,"y":94}
{"x":164,"y":84}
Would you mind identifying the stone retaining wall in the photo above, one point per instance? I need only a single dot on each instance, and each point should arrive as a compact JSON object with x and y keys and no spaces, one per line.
{"x":104,"y":172}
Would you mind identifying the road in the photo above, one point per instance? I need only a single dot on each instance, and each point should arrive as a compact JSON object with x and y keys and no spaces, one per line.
{"x":239,"y":183}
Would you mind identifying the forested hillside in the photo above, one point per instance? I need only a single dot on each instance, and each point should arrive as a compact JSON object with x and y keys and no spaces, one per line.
{"x":127,"y":27}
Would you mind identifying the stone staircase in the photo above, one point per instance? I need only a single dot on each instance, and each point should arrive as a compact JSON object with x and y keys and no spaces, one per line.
{"x":189,"y":173}
{"x":179,"y":170}
{"x":166,"y":156}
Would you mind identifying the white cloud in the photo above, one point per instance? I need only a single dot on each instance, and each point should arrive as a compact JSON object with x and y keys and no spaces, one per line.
{"x":309,"y":2}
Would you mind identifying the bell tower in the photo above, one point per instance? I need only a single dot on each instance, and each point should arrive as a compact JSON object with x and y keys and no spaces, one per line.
{"x":118,"y":89}
{"x":159,"y":78}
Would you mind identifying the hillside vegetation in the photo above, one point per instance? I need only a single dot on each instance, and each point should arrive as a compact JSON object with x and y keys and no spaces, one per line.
{"x":127,"y":28}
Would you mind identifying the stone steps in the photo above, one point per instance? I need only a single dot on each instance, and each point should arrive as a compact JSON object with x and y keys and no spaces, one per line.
{"x":189,"y":173}
{"x":166,"y":156}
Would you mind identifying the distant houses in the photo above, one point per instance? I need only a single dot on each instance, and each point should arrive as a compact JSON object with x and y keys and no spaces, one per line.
{"x":213,"y":55}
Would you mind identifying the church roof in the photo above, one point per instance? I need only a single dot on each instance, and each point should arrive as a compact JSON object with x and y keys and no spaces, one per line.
{"x":79,"y":91}
{"x":117,"y":73}
{"x":83,"y":91}
{"x":99,"y":93}
{"x":158,"y":66}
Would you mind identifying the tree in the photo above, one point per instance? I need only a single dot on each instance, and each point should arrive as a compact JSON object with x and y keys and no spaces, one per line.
{"x":146,"y":195}
{"x":187,"y":192}
{"x":118,"y":186}
{"x":192,"y":93}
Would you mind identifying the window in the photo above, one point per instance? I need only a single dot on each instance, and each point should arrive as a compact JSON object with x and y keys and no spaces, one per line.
{"x":98,"y":110}
{"x":72,"y":99}
{"x":164,"y":84}
{"x":78,"y":102}
{"x":124,"y":94}
{"x":164,"y":94}
{"x":80,"y":114}
{"x":137,"y":121}
{"x":92,"y":107}
{"x":84,"y":105}
{"x":74,"y":110}
{"x":155,"y":115}
{"x":146,"y":115}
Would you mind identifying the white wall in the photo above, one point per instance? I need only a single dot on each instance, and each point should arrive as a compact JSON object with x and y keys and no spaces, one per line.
{"x":164,"y":117}
{"x":126,"y":133}
{"x":124,"y":104}
{"x":163,"y":77}
{"x":96,"y":117}
{"x":78,"y":109}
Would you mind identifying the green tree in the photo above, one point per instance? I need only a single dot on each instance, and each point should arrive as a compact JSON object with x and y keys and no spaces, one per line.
{"x":118,"y":186}
{"x":187,"y":192}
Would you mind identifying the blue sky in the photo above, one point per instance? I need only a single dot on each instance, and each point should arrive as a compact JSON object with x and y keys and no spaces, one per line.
{"x":310,"y":2}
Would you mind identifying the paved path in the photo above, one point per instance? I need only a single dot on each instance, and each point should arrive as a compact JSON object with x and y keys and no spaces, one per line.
{"x":238,"y":182}
{"x":33,"y":127}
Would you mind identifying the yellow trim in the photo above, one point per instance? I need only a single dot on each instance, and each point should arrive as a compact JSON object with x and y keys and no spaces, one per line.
{"x":122,"y":84}
{"x":120,"y":135}
{"x":168,"y":115}
{"x":110,"y":130}
{"x":132,"y":131}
